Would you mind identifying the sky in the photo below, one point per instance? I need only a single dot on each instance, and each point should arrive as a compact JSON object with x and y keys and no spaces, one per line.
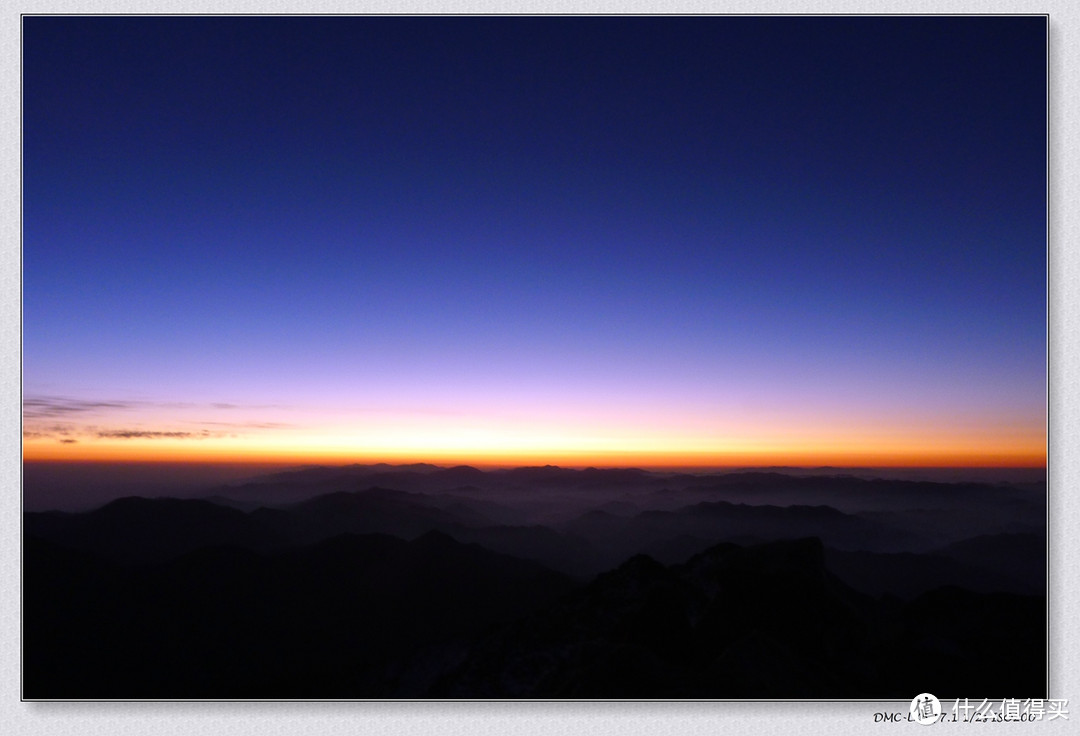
{"x":681,"y":241}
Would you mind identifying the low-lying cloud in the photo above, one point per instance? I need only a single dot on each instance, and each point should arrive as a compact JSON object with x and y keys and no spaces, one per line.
{"x":40,"y":407}
{"x":69,"y":420}
{"x":144,"y":434}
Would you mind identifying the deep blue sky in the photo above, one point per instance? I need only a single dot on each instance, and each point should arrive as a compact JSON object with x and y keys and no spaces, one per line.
{"x":698,"y":219}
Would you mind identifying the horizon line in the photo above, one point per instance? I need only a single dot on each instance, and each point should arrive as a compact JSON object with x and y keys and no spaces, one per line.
{"x":486,"y":466}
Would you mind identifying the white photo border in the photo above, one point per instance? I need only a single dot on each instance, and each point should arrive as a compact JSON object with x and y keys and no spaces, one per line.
{"x":532,"y":718}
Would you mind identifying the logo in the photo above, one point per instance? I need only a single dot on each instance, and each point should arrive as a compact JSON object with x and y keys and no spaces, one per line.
{"x":925,"y":709}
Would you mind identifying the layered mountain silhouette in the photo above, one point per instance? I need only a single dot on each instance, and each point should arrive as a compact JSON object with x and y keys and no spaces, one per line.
{"x":766,"y":621}
{"x":139,"y":530}
{"x":540,"y":583}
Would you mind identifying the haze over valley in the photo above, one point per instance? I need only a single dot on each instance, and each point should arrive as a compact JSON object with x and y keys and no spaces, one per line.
{"x":717,"y":585}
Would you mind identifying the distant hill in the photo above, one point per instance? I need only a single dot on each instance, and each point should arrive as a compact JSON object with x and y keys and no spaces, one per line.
{"x":140,"y":531}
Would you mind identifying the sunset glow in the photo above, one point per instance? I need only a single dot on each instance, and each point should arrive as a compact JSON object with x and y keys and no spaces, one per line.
{"x":501,"y":442}
{"x":680,"y":242}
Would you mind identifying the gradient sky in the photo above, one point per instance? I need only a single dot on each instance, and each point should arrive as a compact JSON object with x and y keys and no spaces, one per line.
{"x":650,"y":241}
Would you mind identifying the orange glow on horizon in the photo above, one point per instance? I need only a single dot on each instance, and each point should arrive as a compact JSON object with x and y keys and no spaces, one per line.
{"x":567,"y":436}
{"x":818,"y":454}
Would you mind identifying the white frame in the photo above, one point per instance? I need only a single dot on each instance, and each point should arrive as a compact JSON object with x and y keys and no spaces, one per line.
{"x":529,"y":718}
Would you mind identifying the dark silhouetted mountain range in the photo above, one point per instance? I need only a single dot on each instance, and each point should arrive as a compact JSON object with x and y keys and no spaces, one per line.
{"x":540,"y":583}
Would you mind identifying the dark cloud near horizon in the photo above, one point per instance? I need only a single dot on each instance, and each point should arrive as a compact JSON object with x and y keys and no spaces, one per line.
{"x":38,"y":410}
{"x":131,"y":434}
{"x":38,"y":407}
{"x":56,"y":431}
{"x":64,"y":434}
{"x":43,"y":407}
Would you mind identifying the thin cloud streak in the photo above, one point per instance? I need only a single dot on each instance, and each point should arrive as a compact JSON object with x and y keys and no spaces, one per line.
{"x":131,"y":434}
{"x":98,"y":419}
{"x":40,"y":407}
